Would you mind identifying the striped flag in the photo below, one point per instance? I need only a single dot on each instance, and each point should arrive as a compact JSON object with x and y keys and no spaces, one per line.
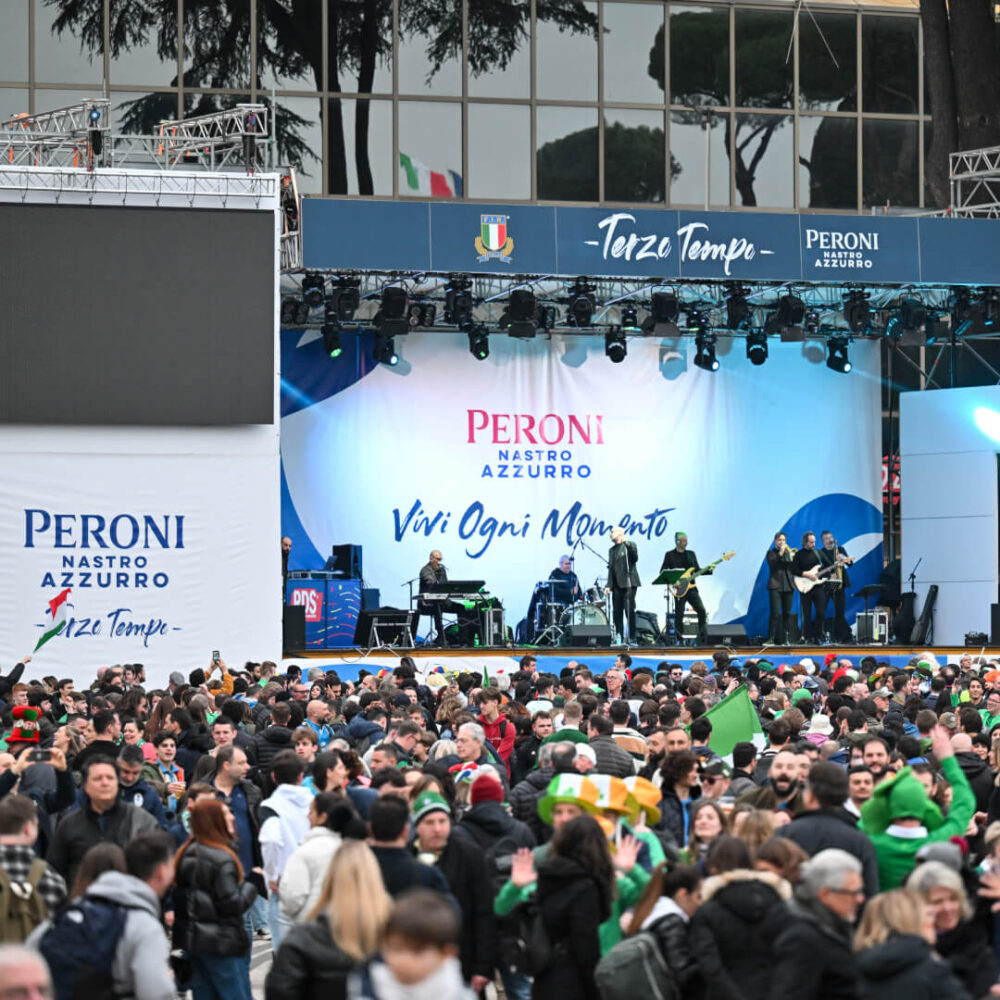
{"x":416,"y":178}
{"x":56,"y":621}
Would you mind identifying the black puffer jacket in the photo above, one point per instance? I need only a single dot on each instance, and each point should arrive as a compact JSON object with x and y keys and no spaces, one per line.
{"x":673,"y":935}
{"x":524,"y":798}
{"x":904,"y":968}
{"x":192,"y":745}
{"x":967,"y":950}
{"x":271,"y":742}
{"x":980,"y":778}
{"x":209,"y":903}
{"x":733,"y":931}
{"x":308,"y":966}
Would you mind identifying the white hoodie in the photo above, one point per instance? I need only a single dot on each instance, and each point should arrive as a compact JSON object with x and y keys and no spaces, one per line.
{"x":305,"y":871}
{"x":281,"y":833}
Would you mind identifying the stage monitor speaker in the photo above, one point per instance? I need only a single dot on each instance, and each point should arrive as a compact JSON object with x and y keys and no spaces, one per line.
{"x":726,"y":635}
{"x":906,"y":617}
{"x":370,"y":598}
{"x":346,"y":560}
{"x":995,"y":624}
{"x":385,"y":627}
{"x":293,"y":628}
{"x":587,"y":635}
{"x":923,"y":624}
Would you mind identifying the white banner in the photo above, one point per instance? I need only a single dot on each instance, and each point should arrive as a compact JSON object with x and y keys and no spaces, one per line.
{"x":505,"y":464}
{"x":166,"y":556}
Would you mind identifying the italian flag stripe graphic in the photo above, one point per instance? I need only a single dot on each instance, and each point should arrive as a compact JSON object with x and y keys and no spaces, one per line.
{"x":56,"y":620}
{"x":422,"y":180}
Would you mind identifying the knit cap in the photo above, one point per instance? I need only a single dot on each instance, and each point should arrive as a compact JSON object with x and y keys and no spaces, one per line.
{"x":429,"y":802}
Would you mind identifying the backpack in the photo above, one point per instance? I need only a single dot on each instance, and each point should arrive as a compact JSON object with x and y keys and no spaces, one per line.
{"x":80,"y":948}
{"x":22,"y":908}
{"x":635,"y":967}
{"x":525,"y":946}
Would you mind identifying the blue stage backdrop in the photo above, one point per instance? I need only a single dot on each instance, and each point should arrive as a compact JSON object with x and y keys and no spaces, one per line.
{"x":508,"y":463}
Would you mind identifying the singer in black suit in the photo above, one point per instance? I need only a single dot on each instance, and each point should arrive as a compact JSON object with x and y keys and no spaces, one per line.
{"x":780,"y":589}
{"x":623,"y":580}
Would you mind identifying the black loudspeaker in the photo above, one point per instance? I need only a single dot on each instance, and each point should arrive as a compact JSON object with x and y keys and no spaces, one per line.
{"x":346,"y":560}
{"x":587,"y":635}
{"x":919,"y":634}
{"x":293,"y":628}
{"x":370,"y":598}
{"x":726,"y":635}
{"x":391,"y":625}
{"x":995,"y":623}
{"x":906,"y":617}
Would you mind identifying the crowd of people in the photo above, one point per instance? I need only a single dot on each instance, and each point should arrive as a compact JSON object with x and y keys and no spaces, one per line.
{"x":590,"y":834}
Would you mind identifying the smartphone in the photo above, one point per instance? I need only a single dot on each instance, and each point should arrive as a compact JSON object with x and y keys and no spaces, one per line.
{"x":215,"y":656}
{"x":41,"y":755}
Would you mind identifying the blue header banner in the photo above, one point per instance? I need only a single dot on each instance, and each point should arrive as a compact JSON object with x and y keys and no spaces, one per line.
{"x":350,"y":234}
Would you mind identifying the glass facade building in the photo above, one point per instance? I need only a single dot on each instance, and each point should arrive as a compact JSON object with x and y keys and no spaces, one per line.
{"x":725,"y":105}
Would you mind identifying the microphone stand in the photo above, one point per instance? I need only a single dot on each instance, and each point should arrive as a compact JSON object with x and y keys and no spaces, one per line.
{"x":410,"y":583}
{"x":913,"y":575}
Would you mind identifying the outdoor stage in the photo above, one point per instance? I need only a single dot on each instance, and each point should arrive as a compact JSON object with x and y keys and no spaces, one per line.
{"x":348,"y":662}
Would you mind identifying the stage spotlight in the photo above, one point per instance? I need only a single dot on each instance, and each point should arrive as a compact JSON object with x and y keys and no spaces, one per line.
{"x":704,"y":341}
{"x":615,"y":346}
{"x":344,"y":298}
{"x":791,"y":312}
{"x":479,"y":342}
{"x":548,"y":317}
{"x":313,"y":289}
{"x":757,"y":347}
{"x":991,"y":306}
{"x":961,"y":307}
{"x":421,"y":314}
{"x":910,"y":326}
{"x":392,"y":320}
{"x":385,"y":350}
{"x":331,"y":337}
{"x":519,"y":317}
{"x":288,"y":311}
{"x":836,"y":355}
{"x":663,"y":311}
{"x":738,"y":310}
{"x":811,"y":322}
{"x":630,"y":319}
{"x":458,"y":300}
{"x":857,"y":313}
{"x":581,"y":303}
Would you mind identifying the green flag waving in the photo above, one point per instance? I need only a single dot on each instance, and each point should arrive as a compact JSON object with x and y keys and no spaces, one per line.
{"x":734,"y":721}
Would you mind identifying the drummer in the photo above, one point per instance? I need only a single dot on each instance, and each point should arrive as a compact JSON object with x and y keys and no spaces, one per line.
{"x":563,"y":574}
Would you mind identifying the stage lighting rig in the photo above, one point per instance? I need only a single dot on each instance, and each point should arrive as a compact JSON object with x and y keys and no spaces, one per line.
{"x":479,"y":342}
{"x":294,"y":312}
{"x":857,"y":312}
{"x":991,"y":306}
{"x":630,"y":319}
{"x":94,"y":135}
{"x":313,"y":289}
{"x":344,"y":298}
{"x":392,"y":319}
{"x":811,"y":322}
{"x":519,"y":317}
{"x":737,"y":309}
{"x":331,"y":332}
{"x":757,"y":347}
{"x":791,"y":312}
{"x":615,"y":346}
{"x":421,"y":315}
{"x":385,"y":350}
{"x":663,"y":311}
{"x":458,"y":301}
{"x":581,"y":303}
{"x":704,"y":341}
{"x":836,"y":355}
{"x":962,"y":310}
{"x":910,"y":326}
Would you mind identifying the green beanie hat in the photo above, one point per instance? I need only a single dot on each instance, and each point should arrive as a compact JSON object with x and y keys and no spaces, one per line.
{"x":427,"y":803}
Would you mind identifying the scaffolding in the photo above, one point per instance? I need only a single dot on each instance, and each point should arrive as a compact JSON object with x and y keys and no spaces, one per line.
{"x":975,"y":183}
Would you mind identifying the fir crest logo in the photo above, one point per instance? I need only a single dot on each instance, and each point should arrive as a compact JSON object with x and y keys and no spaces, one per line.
{"x":493,"y":243}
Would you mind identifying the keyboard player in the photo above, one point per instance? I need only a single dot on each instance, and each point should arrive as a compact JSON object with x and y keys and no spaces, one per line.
{"x":430,"y":576}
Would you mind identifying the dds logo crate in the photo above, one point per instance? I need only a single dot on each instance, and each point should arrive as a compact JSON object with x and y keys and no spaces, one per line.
{"x":311,"y":600}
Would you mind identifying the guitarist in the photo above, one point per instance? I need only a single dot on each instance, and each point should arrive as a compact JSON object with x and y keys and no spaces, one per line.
{"x":807,"y":563}
{"x":680,"y":557}
{"x":828,"y":556}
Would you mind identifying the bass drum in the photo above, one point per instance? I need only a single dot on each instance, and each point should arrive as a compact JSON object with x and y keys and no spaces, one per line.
{"x":583,"y":614}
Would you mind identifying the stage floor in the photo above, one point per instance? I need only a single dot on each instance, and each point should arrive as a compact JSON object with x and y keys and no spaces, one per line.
{"x":501,"y":660}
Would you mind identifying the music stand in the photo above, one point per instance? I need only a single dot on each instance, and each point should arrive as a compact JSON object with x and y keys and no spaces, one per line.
{"x":872,"y":590}
{"x":667,"y":579}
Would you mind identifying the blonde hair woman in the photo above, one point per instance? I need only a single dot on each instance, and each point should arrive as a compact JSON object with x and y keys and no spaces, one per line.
{"x":894,"y":951}
{"x":343,"y":931}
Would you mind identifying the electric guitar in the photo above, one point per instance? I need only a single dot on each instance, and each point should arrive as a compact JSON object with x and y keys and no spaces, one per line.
{"x":686,"y":582}
{"x":803,"y":584}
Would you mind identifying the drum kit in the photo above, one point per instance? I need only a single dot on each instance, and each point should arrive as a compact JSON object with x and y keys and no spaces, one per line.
{"x":555,"y":611}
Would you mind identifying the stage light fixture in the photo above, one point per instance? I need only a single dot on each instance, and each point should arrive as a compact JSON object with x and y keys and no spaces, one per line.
{"x":791,"y":312}
{"x":479,"y":342}
{"x":548,"y":317}
{"x":421,"y":314}
{"x":961,"y":308}
{"x":581,"y":303}
{"x":737,"y":308}
{"x":991,"y":306}
{"x":836,"y":355}
{"x":757,"y":347}
{"x":857,"y":312}
{"x":313,"y":289}
{"x":344,"y":299}
{"x":630,"y":319}
{"x":385,"y":350}
{"x":663,"y":312}
{"x":458,"y":300}
{"x":392,"y":320}
{"x":810,"y":322}
{"x":94,"y":115}
{"x":331,"y":336}
{"x":519,"y":317}
{"x":288,"y":311}
{"x":910,"y":326}
{"x":704,"y":341}
{"x":615,"y":346}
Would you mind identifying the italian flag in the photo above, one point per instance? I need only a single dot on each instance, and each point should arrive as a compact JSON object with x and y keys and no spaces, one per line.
{"x":417,"y":179}
{"x":57,"y":618}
